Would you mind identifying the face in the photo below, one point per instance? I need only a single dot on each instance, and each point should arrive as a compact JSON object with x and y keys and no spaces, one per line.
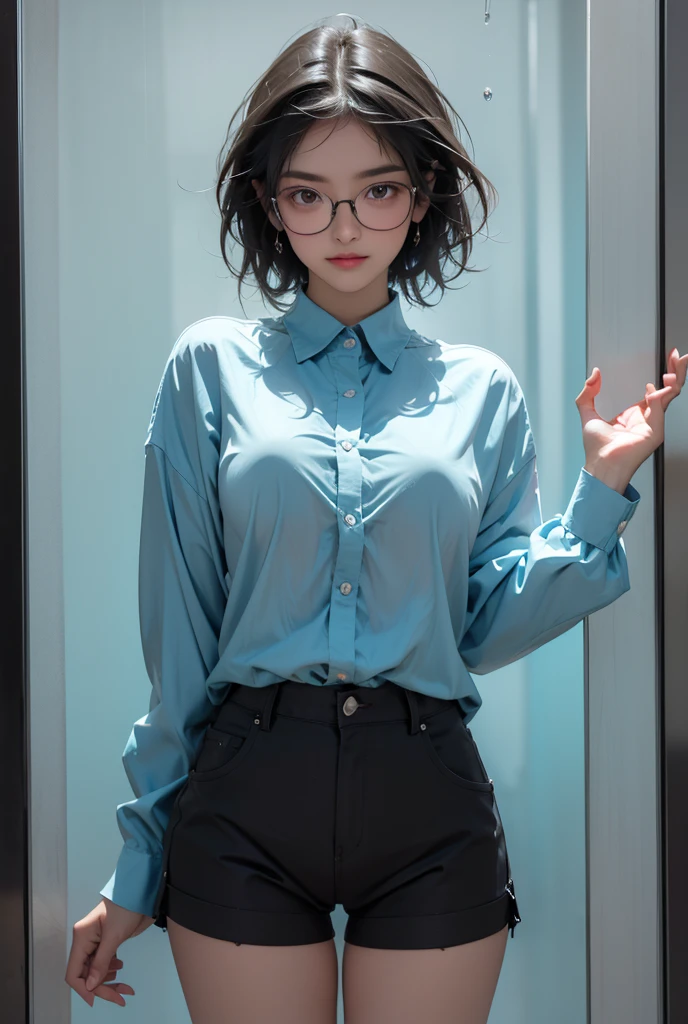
{"x":337,"y":159}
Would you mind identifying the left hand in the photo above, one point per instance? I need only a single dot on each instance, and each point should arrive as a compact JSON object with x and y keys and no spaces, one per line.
{"x":614,"y":449}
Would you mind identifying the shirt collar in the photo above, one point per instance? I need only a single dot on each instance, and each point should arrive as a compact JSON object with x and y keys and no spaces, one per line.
{"x":311,"y":328}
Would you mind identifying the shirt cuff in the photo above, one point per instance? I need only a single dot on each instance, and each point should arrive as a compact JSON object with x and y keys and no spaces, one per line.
{"x":597,"y":513}
{"x":134,"y":882}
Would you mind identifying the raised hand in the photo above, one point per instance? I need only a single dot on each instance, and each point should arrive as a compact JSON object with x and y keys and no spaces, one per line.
{"x":614,"y":449}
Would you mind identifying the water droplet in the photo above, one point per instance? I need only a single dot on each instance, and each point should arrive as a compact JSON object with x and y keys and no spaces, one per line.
{"x":487,"y":12}
{"x":487,"y":93}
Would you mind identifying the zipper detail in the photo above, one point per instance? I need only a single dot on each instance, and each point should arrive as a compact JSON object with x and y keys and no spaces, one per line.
{"x":514,"y":916}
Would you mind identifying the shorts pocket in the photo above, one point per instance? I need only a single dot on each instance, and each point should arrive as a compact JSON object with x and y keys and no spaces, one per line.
{"x":227,"y":742}
{"x":451,"y":748}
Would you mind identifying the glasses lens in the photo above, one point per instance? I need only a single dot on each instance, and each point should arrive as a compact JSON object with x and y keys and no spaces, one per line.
{"x":382,"y":206}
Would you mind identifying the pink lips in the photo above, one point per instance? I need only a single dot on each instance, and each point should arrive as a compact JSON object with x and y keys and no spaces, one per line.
{"x":348,"y":261}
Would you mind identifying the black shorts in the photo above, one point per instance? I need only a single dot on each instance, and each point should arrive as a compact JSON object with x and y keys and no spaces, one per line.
{"x":303,"y":797}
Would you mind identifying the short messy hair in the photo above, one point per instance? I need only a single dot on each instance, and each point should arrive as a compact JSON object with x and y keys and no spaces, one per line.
{"x":340,"y":73}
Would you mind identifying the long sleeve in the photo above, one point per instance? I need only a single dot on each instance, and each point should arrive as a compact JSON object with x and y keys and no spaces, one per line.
{"x":529,"y":580}
{"x":182,"y":597}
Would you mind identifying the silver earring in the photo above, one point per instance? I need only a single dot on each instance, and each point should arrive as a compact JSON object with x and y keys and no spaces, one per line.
{"x":416,"y":240}
{"x":278,"y":244}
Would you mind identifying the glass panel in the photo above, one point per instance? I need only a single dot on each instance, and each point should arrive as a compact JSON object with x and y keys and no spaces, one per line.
{"x":142,"y":98}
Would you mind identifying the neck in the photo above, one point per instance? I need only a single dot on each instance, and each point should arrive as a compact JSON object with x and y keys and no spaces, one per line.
{"x":348,"y":307}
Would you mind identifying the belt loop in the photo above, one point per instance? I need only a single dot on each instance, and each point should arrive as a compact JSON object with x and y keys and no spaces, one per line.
{"x":266,"y":710}
{"x":413,"y":707}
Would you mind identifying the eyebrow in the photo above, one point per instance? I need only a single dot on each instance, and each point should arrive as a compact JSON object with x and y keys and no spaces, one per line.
{"x":384,"y":169}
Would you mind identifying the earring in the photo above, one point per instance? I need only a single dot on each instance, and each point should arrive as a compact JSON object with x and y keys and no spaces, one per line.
{"x":278,"y":244}
{"x":416,"y":240}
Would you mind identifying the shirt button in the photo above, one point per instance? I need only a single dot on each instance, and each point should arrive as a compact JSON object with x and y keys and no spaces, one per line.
{"x":622,"y":526}
{"x":341,"y":675}
{"x":349,"y":343}
{"x":350,"y":393}
{"x":347,"y":446}
{"x":345,"y":588}
{"x":350,"y":519}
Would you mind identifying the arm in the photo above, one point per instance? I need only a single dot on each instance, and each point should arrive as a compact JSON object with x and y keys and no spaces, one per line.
{"x":182,"y":596}
{"x":531,"y":581}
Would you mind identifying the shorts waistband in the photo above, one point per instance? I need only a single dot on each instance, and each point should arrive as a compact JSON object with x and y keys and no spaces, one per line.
{"x":344,"y":705}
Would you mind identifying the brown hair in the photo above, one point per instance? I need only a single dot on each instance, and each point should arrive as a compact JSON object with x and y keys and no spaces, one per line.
{"x":342,"y":72}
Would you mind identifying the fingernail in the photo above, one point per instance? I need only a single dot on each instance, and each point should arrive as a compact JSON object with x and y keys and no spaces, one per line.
{"x":91,"y":981}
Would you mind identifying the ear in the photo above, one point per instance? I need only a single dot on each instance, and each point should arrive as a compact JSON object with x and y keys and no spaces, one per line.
{"x":267,"y":206}
{"x":422,"y":201}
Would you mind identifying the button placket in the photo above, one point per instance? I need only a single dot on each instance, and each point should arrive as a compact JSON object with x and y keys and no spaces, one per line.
{"x":342,"y":619}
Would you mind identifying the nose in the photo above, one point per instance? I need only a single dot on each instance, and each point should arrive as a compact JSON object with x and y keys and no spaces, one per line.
{"x":348,"y":218}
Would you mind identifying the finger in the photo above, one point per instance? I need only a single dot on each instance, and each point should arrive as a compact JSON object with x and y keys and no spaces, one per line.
{"x":679,"y":364}
{"x":586,"y":398}
{"x":101,"y":962}
{"x":112,"y":993}
{"x":115,"y":965}
{"x":672,"y":380}
{"x":664,"y":395}
{"x":79,"y":962}
{"x":79,"y":987}
{"x":655,"y":412}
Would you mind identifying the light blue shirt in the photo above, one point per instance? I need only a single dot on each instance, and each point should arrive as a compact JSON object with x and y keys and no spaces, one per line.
{"x":336,"y":504}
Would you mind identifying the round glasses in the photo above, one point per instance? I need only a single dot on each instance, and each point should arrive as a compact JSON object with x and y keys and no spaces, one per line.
{"x":380,"y":207}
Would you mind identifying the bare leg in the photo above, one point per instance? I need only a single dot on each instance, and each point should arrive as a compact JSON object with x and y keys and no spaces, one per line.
{"x":228,"y":984}
{"x":403,"y":986}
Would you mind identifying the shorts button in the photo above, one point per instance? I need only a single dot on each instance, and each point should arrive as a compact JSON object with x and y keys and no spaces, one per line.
{"x":350,"y":705}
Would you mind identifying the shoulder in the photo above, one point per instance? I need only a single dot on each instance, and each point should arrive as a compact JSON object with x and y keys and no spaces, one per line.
{"x":223,"y":348}
{"x":213,"y":337}
{"x":465,"y":365}
{"x":206,"y":351}
{"x":189,"y":391}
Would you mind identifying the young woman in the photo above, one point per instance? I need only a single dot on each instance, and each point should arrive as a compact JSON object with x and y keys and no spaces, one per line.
{"x":341,"y":522}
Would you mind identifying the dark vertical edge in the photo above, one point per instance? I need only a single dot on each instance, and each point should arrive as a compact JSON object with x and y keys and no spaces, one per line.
{"x":14,"y":859}
{"x":658,"y":462}
{"x":672,"y":486}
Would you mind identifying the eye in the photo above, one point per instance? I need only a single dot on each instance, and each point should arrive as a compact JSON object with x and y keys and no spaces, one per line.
{"x":312,"y":195}
{"x":395,"y":190}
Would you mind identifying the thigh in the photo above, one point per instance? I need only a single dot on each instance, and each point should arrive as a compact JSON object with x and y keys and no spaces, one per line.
{"x":225,"y":983}
{"x":455,"y":985}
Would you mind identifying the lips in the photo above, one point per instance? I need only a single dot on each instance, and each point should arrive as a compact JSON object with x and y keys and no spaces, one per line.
{"x":347,"y":261}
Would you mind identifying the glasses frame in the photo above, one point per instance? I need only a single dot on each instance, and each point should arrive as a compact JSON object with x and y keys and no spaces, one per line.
{"x":352,"y":203}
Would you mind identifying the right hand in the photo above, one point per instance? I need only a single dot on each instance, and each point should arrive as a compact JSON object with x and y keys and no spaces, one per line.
{"x":95,"y":939}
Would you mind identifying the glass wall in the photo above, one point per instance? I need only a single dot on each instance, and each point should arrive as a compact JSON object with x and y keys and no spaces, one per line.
{"x":120,"y":154}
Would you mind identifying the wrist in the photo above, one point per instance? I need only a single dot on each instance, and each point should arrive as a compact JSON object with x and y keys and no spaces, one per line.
{"x":610,"y":476}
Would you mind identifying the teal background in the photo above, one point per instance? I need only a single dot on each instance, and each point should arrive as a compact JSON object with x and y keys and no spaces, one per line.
{"x":145,"y":91}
